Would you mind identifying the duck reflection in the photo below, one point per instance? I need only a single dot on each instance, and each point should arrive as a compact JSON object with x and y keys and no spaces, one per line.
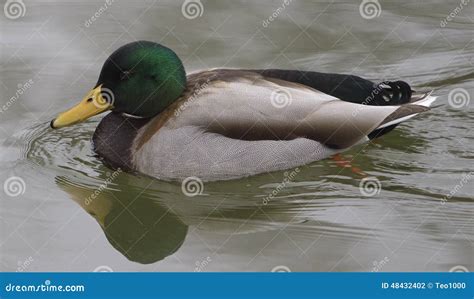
{"x":136,"y":225}
{"x":147,"y":220}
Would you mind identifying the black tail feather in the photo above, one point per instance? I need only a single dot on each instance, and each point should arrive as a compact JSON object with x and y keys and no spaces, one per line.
{"x":347,"y":88}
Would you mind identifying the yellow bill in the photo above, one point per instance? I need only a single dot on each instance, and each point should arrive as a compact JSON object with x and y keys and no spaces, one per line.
{"x":95,"y":102}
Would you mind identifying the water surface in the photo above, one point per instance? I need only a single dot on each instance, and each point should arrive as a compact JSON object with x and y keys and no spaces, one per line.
{"x":74,"y":214}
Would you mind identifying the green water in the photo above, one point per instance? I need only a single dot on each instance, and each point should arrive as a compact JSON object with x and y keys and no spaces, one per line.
{"x":421,"y":218}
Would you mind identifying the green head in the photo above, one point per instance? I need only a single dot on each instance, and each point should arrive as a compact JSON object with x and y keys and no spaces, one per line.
{"x":144,"y":78}
{"x":140,"y":78}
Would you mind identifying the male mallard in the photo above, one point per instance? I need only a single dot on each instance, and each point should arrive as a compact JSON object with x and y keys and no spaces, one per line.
{"x":227,"y":123}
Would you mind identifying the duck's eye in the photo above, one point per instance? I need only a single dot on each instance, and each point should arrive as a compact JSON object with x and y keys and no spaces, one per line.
{"x":89,"y":100}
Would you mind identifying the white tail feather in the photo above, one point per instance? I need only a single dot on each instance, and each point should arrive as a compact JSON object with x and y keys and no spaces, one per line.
{"x":426,"y":102}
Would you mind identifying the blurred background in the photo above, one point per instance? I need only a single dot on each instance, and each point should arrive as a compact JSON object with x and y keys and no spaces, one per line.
{"x":401,"y":203}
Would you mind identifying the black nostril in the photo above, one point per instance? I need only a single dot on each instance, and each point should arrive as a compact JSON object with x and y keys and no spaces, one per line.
{"x":89,"y":100}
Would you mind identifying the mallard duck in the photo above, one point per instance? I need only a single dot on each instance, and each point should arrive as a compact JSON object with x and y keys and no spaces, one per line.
{"x":222,"y":124}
